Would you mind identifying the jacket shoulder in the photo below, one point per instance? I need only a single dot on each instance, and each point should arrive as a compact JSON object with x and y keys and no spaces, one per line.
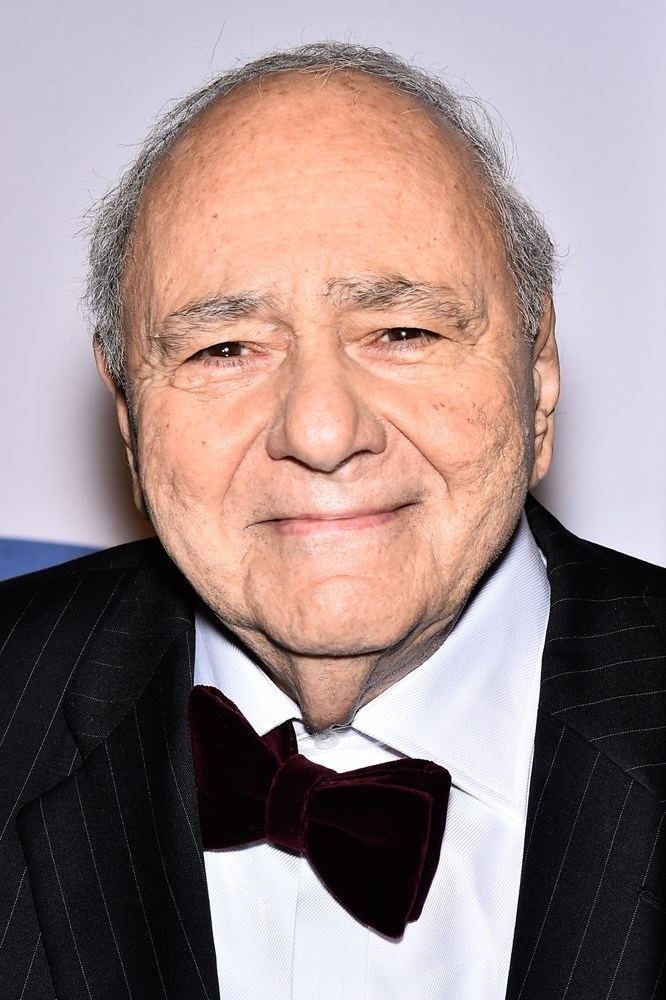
{"x":48,"y":612}
{"x":117,"y":557}
{"x":625,"y":573}
{"x":582,"y":564}
{"x":604,"y":664}
{"x":53,"y":580}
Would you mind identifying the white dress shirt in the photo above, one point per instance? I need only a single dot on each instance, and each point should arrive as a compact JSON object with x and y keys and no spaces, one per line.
{"x":471,"y":707}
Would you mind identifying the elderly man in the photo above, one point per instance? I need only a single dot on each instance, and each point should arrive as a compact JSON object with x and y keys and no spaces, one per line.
{"x":424,"y":750}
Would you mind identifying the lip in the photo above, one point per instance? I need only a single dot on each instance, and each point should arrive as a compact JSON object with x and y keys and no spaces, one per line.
{"x":347,"y":520}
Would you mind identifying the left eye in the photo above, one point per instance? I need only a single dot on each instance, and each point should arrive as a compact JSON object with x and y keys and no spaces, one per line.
{"x":399,"y":334}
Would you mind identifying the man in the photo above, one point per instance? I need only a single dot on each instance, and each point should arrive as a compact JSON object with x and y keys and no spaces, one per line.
{"x":325,"y":316}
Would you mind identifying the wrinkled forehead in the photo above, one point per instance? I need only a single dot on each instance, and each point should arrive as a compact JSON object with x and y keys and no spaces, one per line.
{"x":307,"y":109}
{"x":275,"y":140}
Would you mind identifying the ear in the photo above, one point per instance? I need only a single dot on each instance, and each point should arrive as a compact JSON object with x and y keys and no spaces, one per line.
{"x":125,"y":424}
{"x":546,"y":376}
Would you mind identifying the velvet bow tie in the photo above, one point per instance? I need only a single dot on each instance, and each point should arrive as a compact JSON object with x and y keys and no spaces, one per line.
{"x":373,"y":835}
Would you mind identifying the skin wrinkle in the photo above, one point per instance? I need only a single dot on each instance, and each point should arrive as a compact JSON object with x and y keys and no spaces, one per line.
{"x":200,"y":317}
{"x":283,"y":192}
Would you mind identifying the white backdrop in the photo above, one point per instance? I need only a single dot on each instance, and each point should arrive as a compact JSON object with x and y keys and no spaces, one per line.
{"x":581,"y":85}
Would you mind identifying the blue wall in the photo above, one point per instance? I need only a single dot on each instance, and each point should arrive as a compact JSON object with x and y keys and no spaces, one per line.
{"x":18,"y":555}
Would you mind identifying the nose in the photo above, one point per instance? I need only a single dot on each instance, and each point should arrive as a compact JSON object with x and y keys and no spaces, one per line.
{"x":322,"y":421}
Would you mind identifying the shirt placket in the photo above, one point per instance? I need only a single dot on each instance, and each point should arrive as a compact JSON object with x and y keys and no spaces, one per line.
{"x":330,"y":947}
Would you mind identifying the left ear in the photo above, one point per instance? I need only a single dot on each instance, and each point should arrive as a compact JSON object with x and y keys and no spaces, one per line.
{"x":546,"y":376}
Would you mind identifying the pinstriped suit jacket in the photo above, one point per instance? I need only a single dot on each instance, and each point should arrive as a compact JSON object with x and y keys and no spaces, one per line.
{"x":102,"y":884}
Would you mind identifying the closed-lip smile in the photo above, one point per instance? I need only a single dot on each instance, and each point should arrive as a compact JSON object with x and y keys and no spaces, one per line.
{"x":350,"y":519}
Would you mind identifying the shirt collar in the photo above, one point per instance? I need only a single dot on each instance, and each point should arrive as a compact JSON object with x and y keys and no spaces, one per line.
{"x":223,"y":662}
{"x":470,"y":707}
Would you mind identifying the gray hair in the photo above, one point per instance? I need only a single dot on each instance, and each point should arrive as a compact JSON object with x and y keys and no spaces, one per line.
{"x":529,"y":249}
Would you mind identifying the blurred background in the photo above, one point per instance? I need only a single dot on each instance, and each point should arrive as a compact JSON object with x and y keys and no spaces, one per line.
{"x":580,"y":86}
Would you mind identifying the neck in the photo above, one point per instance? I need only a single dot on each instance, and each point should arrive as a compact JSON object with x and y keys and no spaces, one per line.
{"x":330,"y":689}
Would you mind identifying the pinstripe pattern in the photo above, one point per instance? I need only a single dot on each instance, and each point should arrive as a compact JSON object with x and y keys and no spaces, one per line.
{"x":557,"y":881}
{"x":596,"y":895}
{"x":101,"y":889}
{"x":113,"y":853}
{"x":590,"y":923}
{"x":104,"y":892}
{"x":38,"y":748}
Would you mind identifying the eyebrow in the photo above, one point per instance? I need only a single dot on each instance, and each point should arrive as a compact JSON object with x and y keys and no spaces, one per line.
{"x":394,"y":291}
{"x":373,"y":292}
{"x":176,"y":329}
{"x":220,"y":308}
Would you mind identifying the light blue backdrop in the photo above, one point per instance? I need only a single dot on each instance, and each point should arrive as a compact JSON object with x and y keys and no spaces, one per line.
{"x":20,"y":555}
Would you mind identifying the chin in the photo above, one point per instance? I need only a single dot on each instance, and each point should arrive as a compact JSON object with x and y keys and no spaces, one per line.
{"x":330,"y":644}
{"x":339,"y":621}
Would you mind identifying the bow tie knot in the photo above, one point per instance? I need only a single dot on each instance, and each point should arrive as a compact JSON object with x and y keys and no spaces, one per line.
{"x":287,"y":801}
{"x":373,"y":835}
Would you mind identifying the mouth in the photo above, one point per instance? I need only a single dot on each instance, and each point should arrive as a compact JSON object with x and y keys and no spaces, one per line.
{"x":348,"y":520}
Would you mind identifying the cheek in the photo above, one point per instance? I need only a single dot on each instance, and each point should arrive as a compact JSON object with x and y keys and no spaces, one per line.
{"x":472,"y":431}
{"x":188,"y":454}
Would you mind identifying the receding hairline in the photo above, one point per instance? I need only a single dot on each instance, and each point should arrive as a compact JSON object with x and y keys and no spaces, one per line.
{"x":221,"y":109}
{"x":284,"y":81}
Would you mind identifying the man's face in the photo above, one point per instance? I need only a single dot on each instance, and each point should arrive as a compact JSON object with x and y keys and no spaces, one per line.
{"x":332,"y":393}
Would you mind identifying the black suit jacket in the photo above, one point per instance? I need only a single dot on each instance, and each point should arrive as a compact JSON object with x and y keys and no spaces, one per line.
{"x":103,"y":889}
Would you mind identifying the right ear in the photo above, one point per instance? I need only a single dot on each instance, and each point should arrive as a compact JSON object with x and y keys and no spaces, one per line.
{"x":124,"y":423}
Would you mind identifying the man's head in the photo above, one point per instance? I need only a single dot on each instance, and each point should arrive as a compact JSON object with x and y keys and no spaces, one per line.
{"x":338,"y":369}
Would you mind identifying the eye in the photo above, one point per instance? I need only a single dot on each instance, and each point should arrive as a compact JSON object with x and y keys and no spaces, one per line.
{"x":227,"y":349}
{"x":408,"y":334}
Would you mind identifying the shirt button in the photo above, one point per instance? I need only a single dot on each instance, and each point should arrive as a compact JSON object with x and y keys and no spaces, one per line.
{"x":326,"y":740}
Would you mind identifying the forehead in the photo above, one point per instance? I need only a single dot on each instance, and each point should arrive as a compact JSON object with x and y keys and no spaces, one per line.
{"x":298,"y":110}
{"x":338,"y":170}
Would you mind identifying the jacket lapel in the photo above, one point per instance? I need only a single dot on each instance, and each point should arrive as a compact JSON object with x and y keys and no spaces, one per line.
{"x":113,"y":850}
{"x":590,"y":835}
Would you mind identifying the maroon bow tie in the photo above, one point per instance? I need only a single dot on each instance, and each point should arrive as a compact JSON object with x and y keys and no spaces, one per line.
{"x":373,"y":835}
